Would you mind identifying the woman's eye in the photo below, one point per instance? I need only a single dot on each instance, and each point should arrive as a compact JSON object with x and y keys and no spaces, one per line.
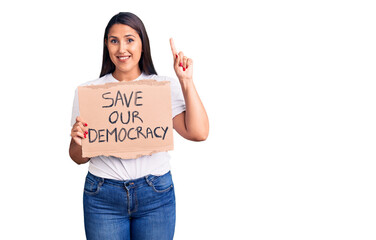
{"x":130,"y":40}
{"x":113,"y":41}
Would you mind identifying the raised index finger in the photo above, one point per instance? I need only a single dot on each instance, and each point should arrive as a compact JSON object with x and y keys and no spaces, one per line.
{"x":173,"y":49}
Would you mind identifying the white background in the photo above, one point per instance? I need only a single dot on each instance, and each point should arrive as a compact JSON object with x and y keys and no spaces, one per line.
{"x":289,"y":87}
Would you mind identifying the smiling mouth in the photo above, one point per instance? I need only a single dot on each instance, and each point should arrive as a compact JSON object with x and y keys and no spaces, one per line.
{"x":122,"y":58}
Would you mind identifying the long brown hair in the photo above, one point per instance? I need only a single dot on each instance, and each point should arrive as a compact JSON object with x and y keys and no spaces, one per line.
{"x":127,"y":18}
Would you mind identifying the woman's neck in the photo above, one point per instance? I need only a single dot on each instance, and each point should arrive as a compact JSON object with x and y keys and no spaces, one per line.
{"x":126,"y":76}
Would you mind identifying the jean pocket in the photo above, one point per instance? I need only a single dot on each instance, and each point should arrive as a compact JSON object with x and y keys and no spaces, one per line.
{"x":162,"y":183}
{"x":92,"y":185}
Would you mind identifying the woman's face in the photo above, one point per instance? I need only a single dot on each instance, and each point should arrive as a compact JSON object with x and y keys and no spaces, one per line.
{"x":125,"y":48}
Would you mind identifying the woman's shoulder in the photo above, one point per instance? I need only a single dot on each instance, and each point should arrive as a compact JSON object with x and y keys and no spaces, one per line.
{"x":157,"y":77}
{"x":174,"y":83}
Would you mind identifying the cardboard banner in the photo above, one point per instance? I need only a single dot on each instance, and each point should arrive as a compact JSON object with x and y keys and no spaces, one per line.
{"x":126,"y":119}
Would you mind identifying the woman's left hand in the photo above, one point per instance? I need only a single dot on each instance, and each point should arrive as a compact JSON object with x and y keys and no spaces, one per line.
{"x":183,"y":66}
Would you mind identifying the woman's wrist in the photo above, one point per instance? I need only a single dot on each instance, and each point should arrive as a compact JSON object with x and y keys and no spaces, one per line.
{"x":186,"y":83}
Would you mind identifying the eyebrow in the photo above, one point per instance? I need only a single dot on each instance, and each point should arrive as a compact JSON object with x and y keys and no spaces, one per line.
{"x":128,"y":35}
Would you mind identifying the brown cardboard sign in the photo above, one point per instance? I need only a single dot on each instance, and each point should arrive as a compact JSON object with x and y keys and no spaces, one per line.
{"x":126,"y":119}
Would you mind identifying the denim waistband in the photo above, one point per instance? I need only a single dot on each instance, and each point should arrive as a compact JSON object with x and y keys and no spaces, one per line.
{"x":136,"y":181}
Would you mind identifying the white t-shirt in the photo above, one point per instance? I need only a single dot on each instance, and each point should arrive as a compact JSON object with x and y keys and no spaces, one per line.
{"x":125,"y":169}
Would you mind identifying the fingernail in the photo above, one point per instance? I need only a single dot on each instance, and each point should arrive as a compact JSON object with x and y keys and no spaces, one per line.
{"x":176,"y":56}
{"x":186,"y":67}
{"x":85,"y":135}
{"x":181,"y":64}
{"x":183,"y":68}
{"x":85,"y":124}
{"x":86,"y":132}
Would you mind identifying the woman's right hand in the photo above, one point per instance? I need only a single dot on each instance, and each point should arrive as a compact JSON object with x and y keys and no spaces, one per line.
{"x":79,"y":131}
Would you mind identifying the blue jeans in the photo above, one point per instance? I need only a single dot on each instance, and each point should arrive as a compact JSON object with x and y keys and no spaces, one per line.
{"x":143,"y":208}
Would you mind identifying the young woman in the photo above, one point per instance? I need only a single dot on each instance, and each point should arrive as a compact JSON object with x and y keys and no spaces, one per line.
{"x":134,"y":198}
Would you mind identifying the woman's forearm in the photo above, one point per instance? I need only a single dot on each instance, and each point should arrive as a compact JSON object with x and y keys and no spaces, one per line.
{"x":196,"y":119}
{"x":75,"y":152}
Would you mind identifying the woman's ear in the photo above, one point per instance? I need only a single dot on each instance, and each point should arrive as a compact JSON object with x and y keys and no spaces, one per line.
{"x":105,"y":42}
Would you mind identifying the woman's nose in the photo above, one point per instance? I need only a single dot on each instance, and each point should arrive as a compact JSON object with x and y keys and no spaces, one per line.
{"x":122,"y":47}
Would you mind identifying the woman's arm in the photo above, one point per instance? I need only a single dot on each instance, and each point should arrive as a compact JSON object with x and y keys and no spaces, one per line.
{"x":78,"y":132}
{"x":193,"y":124}
{"x":75,"y":152}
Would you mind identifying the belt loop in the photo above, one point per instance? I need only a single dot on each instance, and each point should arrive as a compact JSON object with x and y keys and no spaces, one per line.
{"x":101,"y":181}
{"x":148,"y":180}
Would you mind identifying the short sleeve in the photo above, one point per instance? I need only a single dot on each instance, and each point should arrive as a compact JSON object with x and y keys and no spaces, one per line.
{"x":177,"y":98}
{"x":75,"y":108}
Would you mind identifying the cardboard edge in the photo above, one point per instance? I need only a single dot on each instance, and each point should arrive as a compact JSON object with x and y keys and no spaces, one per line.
{"x":147,"y":82}
{"x":128,"y":154}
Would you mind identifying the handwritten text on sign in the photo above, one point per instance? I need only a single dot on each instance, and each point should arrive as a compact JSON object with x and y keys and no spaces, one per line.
{"x":127,"y":119}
